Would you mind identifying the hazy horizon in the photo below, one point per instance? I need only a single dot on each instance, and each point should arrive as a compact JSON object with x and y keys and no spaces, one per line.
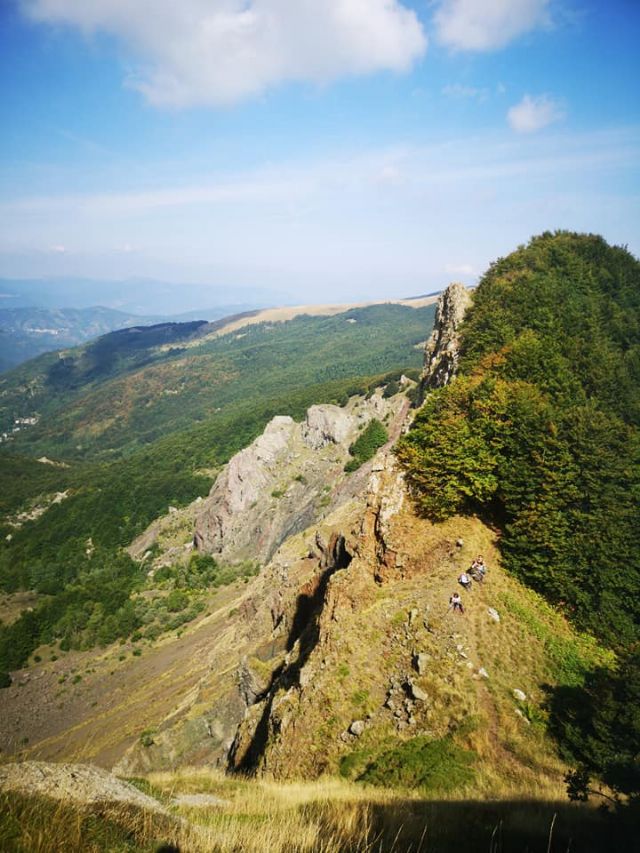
{"x":350,"y":150}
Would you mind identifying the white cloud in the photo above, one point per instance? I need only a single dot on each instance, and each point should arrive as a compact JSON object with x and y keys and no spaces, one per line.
{"x":489,"y":24}
{"x":459,"y":91}
{"x":534,"y":113}
{"x":220,"y":51}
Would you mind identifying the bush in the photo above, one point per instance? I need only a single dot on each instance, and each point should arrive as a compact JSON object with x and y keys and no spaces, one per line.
{"x":365,"y":446}
{"x":177,"y":600}
{"x":5,"y":680}
{"x":431,"y":765}
{"x":146,"y":738}
{"x":391,"y":389}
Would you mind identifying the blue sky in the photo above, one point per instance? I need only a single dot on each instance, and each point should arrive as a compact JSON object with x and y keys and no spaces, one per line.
{"x":336,"y":150}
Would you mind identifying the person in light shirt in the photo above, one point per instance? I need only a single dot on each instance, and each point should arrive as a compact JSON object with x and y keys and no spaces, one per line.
{"x":455,"y":603}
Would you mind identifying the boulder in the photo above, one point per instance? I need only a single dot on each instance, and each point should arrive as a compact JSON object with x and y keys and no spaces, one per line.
{"x":77,"y":783}
{"x":416,"y":692}
{"x":326,"y":424}
{"x":420,"y":662}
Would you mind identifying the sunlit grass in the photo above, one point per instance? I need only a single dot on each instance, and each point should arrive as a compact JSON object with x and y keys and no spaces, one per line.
{"x":325,"y":816}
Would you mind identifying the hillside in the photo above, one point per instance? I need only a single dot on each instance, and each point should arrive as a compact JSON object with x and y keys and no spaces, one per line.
{"x":129,"y":388}
{"x":339,"y":658}
{"x":26,"y":332}
{"x":347,"y":622}
{"x":276,"y":369}
{"x":540,"y":432}
{"x":288,"y":616}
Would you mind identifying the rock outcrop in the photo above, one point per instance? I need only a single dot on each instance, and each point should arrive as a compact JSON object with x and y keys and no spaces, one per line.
{"x":443,"y":347}
{"x":324,"y":425}
{"x":82,"y":784}
{"x":284,"y":481}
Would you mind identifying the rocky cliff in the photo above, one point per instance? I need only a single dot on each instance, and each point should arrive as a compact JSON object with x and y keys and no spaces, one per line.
{"x":283,"y":481}
{"x":442,"y":349}
{"x":290,"y":476}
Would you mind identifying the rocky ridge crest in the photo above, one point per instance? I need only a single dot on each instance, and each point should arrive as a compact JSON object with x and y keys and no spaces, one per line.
{"x":283,"y":481}
{"x":443,"y":347}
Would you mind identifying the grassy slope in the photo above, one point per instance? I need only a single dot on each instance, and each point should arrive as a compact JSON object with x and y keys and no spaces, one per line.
{"x":321,"y":817}
{"x":375,"y":641}
{"x":517,"y":787}
{"x":92,"y":706}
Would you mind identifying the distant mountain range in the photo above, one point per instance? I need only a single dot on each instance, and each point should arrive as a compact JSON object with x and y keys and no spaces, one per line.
{"x":27,"y":332}
{"x":135,"y":296}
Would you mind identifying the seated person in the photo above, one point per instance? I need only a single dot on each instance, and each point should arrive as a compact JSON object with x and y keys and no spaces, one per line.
{"x":478,"y":568}
{"x":464,"y":580}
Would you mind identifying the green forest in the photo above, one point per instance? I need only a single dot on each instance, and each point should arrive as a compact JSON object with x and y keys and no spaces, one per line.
{"x":540,"y":431}
{"x":118,"y":395}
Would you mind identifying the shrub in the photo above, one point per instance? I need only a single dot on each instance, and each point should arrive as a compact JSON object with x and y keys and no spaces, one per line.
{"x":368,"y":442}
{"x":5,"y":680}
{"x":177,"y":600}
{"x":146,"y":737}
{"x":432,"y":765}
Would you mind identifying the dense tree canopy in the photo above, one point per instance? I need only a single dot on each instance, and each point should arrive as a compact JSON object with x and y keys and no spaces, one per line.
{"x":598,"y":727}
{"x":540,"y":431}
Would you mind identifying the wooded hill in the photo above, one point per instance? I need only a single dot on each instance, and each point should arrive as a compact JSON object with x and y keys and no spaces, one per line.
{"x":539,"y":435}
{"x":540,"y":431}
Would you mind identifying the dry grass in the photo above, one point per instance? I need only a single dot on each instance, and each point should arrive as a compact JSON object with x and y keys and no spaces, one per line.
{"x":284,"y":314}
{"x":326,"y":816}
{"x":332,"y":815}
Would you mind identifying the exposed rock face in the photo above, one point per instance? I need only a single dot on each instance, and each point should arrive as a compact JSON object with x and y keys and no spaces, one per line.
{"x":325,"y":424}
{"x":78,"y":783}
{"x":284,"y":481}
{"x":442,"y":349}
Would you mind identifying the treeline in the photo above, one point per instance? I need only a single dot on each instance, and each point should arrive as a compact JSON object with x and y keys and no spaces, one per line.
{"x":95,"y":605}
{"x":540,"y":432}
{"x":100,"y":604}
